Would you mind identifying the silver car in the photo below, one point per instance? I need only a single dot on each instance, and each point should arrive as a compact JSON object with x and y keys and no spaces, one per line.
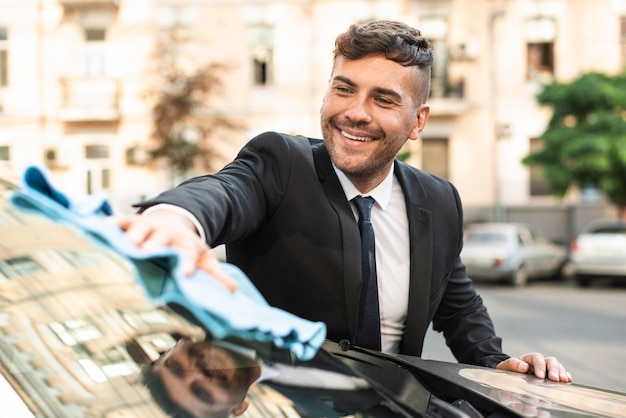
{"x":599,"y":251}
{"x":511,"y":252}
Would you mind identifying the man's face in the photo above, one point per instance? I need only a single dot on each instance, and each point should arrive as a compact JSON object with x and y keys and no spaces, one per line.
{"x":206,"y":380}
{"x":368,"y":113}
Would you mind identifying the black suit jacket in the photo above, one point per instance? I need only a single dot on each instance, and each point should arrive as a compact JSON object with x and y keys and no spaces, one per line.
{"x":285,"y":220}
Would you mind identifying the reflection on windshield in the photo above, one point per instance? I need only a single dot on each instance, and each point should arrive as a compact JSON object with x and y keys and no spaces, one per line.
{"x":219,"y":378}
{"x":78,"y":337}
{"x":202,"y":379}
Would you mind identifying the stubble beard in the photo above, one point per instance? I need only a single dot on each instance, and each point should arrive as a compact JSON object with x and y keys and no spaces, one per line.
{"x":364,"y":168}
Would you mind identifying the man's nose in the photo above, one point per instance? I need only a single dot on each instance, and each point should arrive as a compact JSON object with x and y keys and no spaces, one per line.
{"x":194,"y":374}
{"x":359,"y":110}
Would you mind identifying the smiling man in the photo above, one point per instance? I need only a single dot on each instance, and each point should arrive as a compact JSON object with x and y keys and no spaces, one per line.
{"x":289,"y":210}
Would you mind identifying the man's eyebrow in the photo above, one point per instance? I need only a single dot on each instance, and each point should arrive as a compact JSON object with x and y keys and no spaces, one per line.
{"x":378,"y":90}
{"x":344,"y":80}
{"x":388,"y":92}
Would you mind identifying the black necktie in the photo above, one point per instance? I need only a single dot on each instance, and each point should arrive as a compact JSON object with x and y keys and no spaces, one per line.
{"x":368,"y":324}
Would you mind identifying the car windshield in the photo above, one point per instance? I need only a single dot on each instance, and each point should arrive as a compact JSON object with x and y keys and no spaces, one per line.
{"x":610,"y":229}
{"x":486,"y":237}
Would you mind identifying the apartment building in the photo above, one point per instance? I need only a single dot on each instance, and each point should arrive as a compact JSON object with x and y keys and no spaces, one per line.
{"x":74,"y":78}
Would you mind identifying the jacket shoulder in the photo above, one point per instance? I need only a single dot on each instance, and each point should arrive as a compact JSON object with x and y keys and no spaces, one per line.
{"x":272,"y":137}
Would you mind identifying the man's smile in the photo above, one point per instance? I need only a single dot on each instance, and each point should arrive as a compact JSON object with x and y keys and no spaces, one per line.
{"x":356,"y":137}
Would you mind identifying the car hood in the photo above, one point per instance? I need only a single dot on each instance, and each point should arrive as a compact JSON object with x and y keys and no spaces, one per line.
{"x":521,"y":393}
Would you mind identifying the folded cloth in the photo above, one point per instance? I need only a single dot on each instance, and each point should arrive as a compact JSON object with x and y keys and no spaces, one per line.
{"x":243,"y":313}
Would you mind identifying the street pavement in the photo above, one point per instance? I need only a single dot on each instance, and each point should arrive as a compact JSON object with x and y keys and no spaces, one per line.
{"x":585,"y":328}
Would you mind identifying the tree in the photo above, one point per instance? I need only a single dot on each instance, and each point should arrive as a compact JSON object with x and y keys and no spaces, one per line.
{"x":585,"y":141}
{"x":183,"y":129}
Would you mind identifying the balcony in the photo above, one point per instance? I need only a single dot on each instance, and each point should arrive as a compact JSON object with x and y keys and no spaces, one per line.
{"x":89,"y":3}
{"x":89,"y":99}
{"x":87,"y":12}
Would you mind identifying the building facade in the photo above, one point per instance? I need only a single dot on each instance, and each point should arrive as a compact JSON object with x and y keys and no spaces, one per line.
{"x":75,"y":77}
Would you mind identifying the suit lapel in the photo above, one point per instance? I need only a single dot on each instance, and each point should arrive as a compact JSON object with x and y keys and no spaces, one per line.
{"x":421,"y":248}
{"x":349,"y":232}
{"x":421,"y":256}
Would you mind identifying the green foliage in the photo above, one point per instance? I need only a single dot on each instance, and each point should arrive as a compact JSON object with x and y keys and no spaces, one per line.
{"x":585,"y":141}
{"x":182,"y":128}
{"x":404,"y":154}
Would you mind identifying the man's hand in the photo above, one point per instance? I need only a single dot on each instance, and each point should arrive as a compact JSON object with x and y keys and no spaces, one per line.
{"x":537,"y":364}
{"x":164,"y":228}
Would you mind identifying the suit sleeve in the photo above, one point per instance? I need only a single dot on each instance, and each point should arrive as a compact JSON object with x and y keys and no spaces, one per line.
{"x":463,"y":318}
{"x":232,"y":203}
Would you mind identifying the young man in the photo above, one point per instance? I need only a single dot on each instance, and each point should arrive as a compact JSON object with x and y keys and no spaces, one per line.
{"x":284,"y":210}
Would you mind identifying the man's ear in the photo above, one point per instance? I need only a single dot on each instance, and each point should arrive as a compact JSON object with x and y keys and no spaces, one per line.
{"x":420,"y":121}
{"x":240,"y":409}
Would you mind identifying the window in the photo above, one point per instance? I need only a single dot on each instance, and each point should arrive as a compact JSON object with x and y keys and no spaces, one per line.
{"x":75,"y":331}
{"x":96,"y":152}
{"x":94,"y":55}
{"x":540,"y":36}
{"x":540,"y":60}
{"x":15,"y":267}
{"x":95,"y":34}
{"x":435,"y":29}
{"x":623,"y":38}
{"x":261,"y":44}
{"x":539,"y":186}
{"x":98,"y":172}
{"x":145,"y":318}
{"x":83,"y":258}
{"x":5,"y":154}
{"x":435,"y":156}
{"x":98,"y":180}
{"x":4,"y":57}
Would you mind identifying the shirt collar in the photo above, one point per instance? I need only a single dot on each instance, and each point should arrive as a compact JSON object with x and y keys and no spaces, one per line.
{"x":381,"y":193}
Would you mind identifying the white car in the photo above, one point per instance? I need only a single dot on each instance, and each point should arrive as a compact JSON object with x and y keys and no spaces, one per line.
{"x":511,"y":252}
{"x":599,"y":251}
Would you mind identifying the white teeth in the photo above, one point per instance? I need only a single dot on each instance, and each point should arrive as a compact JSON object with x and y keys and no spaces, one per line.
{"x":356,"y":138}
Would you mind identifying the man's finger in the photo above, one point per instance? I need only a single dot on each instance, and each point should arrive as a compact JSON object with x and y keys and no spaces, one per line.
{"x":209,"y":263}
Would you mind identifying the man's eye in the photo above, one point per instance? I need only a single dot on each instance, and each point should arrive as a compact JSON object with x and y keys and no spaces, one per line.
{"x":383,"y":101}
{"x":200,"y":393}
{"x":341,"y":89}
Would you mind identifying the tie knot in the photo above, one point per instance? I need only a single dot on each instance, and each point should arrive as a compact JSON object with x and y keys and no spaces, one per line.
{"x":364,"y":206}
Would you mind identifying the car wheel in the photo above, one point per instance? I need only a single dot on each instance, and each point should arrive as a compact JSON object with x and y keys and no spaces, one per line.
{"x":583,"y":281}
{"x":520,"y":276}
{"x":562,"y":272}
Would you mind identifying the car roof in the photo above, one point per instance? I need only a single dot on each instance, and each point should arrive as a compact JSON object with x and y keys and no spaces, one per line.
{"x":605,"y":223}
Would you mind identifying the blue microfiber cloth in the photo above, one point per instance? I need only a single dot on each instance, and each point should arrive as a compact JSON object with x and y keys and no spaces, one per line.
{"x":243,"y":313}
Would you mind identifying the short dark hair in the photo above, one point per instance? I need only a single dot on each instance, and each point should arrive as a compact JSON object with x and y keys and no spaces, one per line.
{"x":398,"y":41}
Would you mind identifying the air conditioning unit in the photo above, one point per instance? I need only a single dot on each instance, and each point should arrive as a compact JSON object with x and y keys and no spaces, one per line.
{"x":465,"y":51}
{"x":55,"y":159}
{"x":137,"y":155}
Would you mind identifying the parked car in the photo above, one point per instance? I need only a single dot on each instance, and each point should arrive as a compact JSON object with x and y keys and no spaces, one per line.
{"x":599,"y":250}
{"x":510,"y":252}
{"x":80,"y":338}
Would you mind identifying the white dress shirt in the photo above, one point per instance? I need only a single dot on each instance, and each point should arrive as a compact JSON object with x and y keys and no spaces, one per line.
{"x":391,"y":230}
